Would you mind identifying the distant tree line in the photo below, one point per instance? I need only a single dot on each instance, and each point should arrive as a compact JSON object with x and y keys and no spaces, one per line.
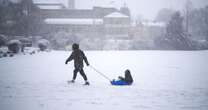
{"x":186,"y":31}
{"x":17,"y":18}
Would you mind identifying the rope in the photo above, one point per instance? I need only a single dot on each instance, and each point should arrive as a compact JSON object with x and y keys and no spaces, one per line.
{"x":100,"y":73}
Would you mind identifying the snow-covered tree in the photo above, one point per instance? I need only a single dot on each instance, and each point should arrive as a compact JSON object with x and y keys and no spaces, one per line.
{"x":164,"y":15}
{"x":187,"y":14}
{"x":17,"y":17}
{"x":92,"y":44}
{"x":3,"y":40}
{"x":175,"y":37}
{"x":62,"y":38}
{"x":14,"y":46}
{"x":175,"y":34}
{"x":198,"y":25}
{"x":43,"y":44}
{"x":205,"y":29}
{"x":125,"y":10}
{"x":175,"y":25}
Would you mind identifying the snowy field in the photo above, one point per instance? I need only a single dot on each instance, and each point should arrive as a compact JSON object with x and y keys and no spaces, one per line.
{"x":163,"y":80}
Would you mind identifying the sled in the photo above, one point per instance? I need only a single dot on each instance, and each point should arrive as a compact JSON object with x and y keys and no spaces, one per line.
{"x":119,"y":83}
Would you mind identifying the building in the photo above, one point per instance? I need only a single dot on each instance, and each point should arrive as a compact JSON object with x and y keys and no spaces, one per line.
{"x":99,"y":21}
{"x":116,"y":25}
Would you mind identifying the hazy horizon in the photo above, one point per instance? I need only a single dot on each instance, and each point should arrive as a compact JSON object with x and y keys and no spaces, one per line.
{"x":146,"y":8}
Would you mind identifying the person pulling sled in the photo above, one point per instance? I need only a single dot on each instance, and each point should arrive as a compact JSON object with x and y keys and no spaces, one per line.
{"x":78,"y":56}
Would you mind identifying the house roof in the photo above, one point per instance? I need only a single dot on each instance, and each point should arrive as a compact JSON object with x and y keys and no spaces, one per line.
{"x":71,"y":21}
{"x":66,"y":13}
{"x":96,"y":12}
{"x":116,"y":15}
{"x":48,"y":4}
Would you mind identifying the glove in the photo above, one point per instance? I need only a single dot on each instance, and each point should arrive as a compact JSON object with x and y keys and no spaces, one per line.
{"x":66,"y":62}
{"x":120,"y":77}
{"x":88,"y":64}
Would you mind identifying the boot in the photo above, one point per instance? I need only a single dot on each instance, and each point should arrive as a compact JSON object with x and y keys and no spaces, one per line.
{"x":72,"y":81}
{"x":87,"y":83}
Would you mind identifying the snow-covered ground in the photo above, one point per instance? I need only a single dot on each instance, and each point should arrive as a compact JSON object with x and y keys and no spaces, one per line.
{"x":163,"y":80}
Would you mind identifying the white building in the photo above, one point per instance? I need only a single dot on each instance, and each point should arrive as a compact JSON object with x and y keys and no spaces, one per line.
{"x":117,"y":25}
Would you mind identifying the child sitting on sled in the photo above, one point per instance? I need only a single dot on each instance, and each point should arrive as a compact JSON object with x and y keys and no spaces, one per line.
{"x":127,"y":80}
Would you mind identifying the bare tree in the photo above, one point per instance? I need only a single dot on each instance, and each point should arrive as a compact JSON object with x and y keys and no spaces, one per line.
{"x":187,"y":12}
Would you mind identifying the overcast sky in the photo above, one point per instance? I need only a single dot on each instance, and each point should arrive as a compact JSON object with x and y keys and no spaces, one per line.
{"x":146,"y":8}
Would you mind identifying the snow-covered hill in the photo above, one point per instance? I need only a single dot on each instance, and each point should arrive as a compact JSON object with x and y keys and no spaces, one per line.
{"x":163,"y":80}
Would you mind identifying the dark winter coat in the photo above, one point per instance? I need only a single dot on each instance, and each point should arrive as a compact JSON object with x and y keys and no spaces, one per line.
{"x":78,"y":56}
{"x":128,"y":78}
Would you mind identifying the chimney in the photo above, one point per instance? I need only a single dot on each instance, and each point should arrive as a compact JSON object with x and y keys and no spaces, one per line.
{"x":71,"y":4}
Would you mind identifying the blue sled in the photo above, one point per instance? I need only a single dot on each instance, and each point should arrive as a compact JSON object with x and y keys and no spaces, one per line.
{"x":119,"y":83}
